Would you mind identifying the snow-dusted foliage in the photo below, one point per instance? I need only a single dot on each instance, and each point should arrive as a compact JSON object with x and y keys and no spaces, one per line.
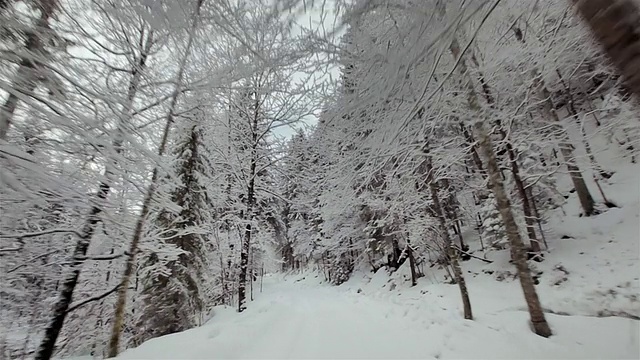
{"x":156,"y":157}
{"x":172,"y":274}
{"x":536,"y":83}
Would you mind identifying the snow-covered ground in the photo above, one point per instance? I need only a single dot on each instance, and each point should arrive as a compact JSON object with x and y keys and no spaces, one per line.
{"x":295,"y":319}
{"x":589,"y":284}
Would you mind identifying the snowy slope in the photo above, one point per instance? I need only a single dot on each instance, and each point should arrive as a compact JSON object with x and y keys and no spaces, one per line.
{"x":589,"y":284}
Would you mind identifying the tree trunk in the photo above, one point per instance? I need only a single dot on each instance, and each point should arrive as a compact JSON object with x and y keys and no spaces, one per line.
{"x":540,"y":325}
{"x":566,"y":149}
{"x":244,"y":259}
{"x":448,"y":245}
{"x":526,"y":205}
{"x":537,"y":216}
{"x":244,"y":254}
{"x":451,"y":210}
{"x":412,"y":264}
{"x":121,"y":302}
{"x":261,"y":276}
{"x":47,"y":345}
{"x":251,"y":275}
{"x":25,"y":78}
{"x":584,"y":196}
{"x":515,"y":169}
{"x":616,"y":26}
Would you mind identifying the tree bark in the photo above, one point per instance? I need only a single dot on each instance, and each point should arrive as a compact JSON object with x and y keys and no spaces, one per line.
{"x":515,"y":169}
{"x":616,"y":26}
{"x":244,"y":253}
{"x":451,"y":210}
{"x":246,"y":243}
{"x":534,"y":207}
{"x":584,"y":196}
{"x":412,"y":264}
{"x":538,"y":321}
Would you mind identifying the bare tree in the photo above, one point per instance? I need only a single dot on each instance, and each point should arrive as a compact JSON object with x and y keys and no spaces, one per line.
{"x":46,"y":349}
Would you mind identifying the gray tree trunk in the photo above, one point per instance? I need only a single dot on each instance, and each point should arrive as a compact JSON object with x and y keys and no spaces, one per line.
{"x":538,"y":321}
{"x":526,"y":204}
{"x":248,"y":217}
{"x":450,"y":250}
{"x":566,"y":149}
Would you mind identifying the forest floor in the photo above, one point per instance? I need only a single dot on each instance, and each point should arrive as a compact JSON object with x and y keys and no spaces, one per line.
{"x":588,"y":284}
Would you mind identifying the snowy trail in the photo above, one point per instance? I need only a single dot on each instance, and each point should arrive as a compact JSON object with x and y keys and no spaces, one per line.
{"x":291,"y":321}
{"x":298,"y":320}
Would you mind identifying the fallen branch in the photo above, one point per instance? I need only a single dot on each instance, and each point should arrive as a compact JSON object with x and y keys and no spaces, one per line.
{"x":471,"y":255}
{"x":600,"y":313}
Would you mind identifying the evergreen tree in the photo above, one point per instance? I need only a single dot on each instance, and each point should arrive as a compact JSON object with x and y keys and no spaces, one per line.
{"x":172,"y":285}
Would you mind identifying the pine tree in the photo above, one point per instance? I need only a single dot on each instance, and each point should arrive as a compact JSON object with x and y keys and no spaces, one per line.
{"x":172,"y":282}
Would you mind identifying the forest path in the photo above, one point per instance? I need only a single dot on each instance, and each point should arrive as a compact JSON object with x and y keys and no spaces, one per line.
{"x":298,"y":318}
{"x":294,"y":320}
{"x":326,"y":322}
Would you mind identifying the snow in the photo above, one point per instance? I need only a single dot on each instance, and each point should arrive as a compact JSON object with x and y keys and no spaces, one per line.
{"x":302,"y":319}
{"x":589,"y":287}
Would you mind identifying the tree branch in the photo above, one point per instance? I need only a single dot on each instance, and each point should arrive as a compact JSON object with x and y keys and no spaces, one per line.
{"x":104,"y":257}
{"x":38,"y":233}
{"x":30,"y":260}
{"x":92,"y":299}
